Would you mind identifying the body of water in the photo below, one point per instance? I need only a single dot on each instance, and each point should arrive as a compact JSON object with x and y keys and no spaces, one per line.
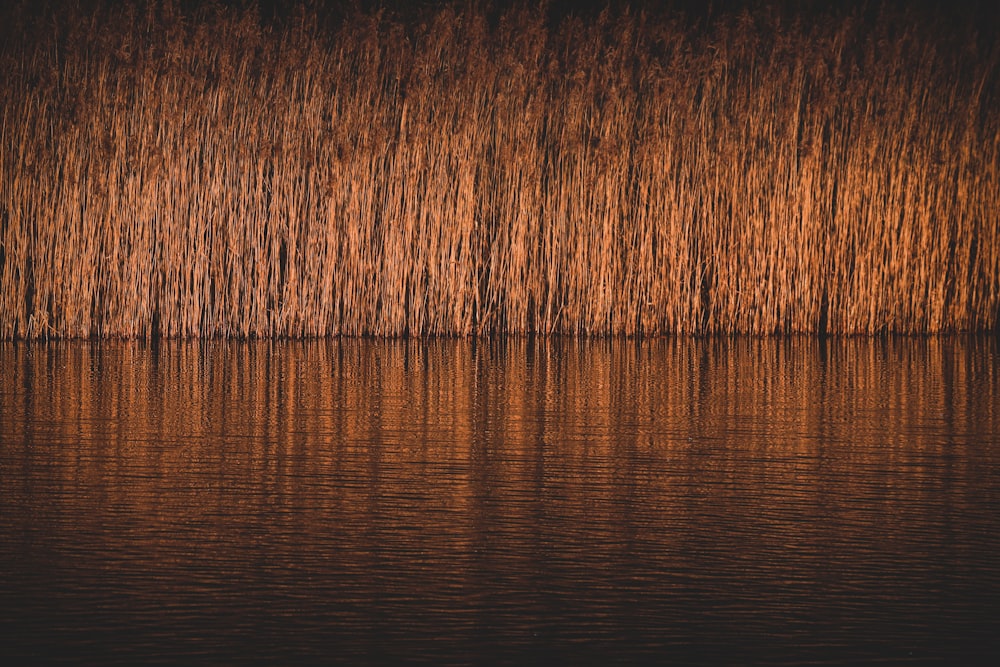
{"x":798,"y":501}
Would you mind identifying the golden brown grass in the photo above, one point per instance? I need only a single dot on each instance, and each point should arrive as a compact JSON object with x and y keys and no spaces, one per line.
{"x":214,"y":174}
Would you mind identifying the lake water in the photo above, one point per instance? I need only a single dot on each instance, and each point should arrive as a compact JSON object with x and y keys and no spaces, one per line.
{"x":797,"y":501}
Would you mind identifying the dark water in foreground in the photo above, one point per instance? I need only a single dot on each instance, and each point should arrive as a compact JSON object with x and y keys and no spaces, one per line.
{"x":359,"y":502}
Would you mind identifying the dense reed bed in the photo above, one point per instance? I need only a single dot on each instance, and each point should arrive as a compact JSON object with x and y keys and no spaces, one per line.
{"x":459,"y":170}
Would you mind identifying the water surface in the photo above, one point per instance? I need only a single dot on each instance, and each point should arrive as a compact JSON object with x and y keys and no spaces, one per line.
{"x":794,"y":501}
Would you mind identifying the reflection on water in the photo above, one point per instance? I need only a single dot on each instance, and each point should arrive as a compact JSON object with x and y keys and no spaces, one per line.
{"x":451,"y":502}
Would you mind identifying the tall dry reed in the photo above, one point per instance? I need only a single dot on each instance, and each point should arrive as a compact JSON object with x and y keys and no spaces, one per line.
{"x":213,"y":173}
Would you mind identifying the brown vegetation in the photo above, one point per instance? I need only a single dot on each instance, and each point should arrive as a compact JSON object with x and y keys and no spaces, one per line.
{"x":214,"y":174}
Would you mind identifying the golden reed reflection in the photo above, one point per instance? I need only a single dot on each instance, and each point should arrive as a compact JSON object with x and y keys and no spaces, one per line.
{"x":459,"y":444}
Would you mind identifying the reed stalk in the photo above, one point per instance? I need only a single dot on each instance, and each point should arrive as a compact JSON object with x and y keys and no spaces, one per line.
{"x":212,"y":172}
